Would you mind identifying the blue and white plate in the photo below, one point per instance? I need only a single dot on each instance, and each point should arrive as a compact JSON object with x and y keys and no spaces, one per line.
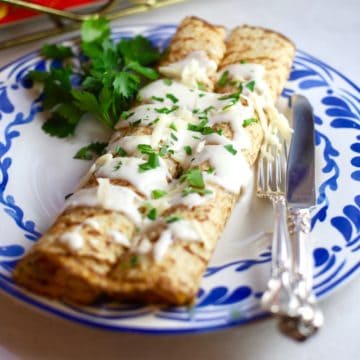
{"x":37,"y":171}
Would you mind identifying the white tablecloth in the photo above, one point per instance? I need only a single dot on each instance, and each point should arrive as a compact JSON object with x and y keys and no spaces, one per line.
{"x":329,"y":30}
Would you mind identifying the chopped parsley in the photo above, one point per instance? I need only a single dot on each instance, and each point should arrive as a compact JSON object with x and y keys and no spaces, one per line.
{"x":201,"y":127}
{"x":201,"y":86}
{"x":194,"y":182}
{"x":173,"y":98}
{"x":172,"y":218}
{"x":156,"y":98}
{"x":120,"y":151}
{"x":249,"y":121}
{"x":188,"y":150}
{"x":224,"y":78}
{"x":173,"y":126}
{"x":135,"y":123}
{"x":230,"y":149}
{"x":210,"y":170}
{"x":152,"y":163}
{"x":126,"y":114}
{"x":166,"y":110}
{"x":250,"y":85}
{"x":134,"y":260}
{"x":167,"y":82}
{"x":152,"y":214}
{"x":163,"y":150}
{"x":243,"y":61}
{"x":157,"y":194}
{"x":90,"y":151}
{"x":154,"y":122}
{"x":146,"y":149}
{"x":117,"y":166}
{"x":233,"y":97}
{"x":205,"y":111}
{"x":174,"y":137}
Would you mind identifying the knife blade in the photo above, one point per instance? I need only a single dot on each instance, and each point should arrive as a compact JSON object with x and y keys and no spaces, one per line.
{"x":300,"y":196}
{"x":301,"y":161}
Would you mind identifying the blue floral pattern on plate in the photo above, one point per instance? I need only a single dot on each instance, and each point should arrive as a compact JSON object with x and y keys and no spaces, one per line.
{"x":230,"y":292}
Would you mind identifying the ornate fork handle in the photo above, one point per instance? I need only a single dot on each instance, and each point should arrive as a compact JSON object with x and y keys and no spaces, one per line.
{"x":309,"y":316}
{"x":279,"y":297}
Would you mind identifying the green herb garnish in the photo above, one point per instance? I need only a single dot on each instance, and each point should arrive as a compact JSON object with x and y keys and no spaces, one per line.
{"x":188,"y":150}
{"x":152,"y":163}
{"x":173,"y":98}
{"x":201,"y":127}
{"x":117,"y":166}
{"x":172,"y":218}
{"x":156,"y":98}
{"x":224,"y":78}
{"x":250,"y":85}
{"x":166,"y":110}
{"x":174,"y":137}
{"x":167,"y":82}
{"x":105,"y":84}
{"x":88,"y":152}
{"x":152,"y":214}
{"x":120,"y":151}
{"x":249,"y":121}
{"x":157,"y":194}
{"x":173,"y":126}
{"x":134,"y":260}
{"x":230,"y":149}
{"x":201,"y":86}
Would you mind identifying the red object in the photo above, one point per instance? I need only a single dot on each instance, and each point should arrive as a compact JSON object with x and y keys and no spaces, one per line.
{"x":11,"y":14}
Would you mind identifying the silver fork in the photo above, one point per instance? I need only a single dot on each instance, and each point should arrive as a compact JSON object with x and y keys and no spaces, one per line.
{"x":278,"y":298}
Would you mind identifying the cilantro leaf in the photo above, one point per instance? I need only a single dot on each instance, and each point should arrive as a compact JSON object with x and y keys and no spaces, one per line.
{"x":126,"y":84}
{"x":37,"y":75}
{"x":147,"y":72}
{"x":95,"y":30}
{"x":88,"y":152}
{"x":86,"y":101}
{"x":58,"y":126}
{"x":138,"y":49}
{"x":54,"y":51}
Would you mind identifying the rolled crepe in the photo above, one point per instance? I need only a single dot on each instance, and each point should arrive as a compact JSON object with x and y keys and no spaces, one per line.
{"x":256,"y":45}
{"x":176,"y":278}
{"x":75,"y":259}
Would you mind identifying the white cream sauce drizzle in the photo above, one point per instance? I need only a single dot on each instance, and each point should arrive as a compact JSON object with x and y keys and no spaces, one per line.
{"x":168,"y":108}
{"x":194,"y":68}
{"x":182,"y":230}
{"x":127,"y":168}
{"x":72,"y":240}
{"x":108,"y":196}
{"x":231,"y":170}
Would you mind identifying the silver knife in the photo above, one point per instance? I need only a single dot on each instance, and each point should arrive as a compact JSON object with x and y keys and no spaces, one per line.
{"x":300,"y":196}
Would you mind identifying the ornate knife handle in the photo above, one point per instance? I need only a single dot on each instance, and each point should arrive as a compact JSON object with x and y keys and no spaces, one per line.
{"x":279,"y":297}
{"x":310,"y":317}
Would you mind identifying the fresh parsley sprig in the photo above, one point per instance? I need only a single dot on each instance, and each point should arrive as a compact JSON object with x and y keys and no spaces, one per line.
{"x":105,"y":84}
